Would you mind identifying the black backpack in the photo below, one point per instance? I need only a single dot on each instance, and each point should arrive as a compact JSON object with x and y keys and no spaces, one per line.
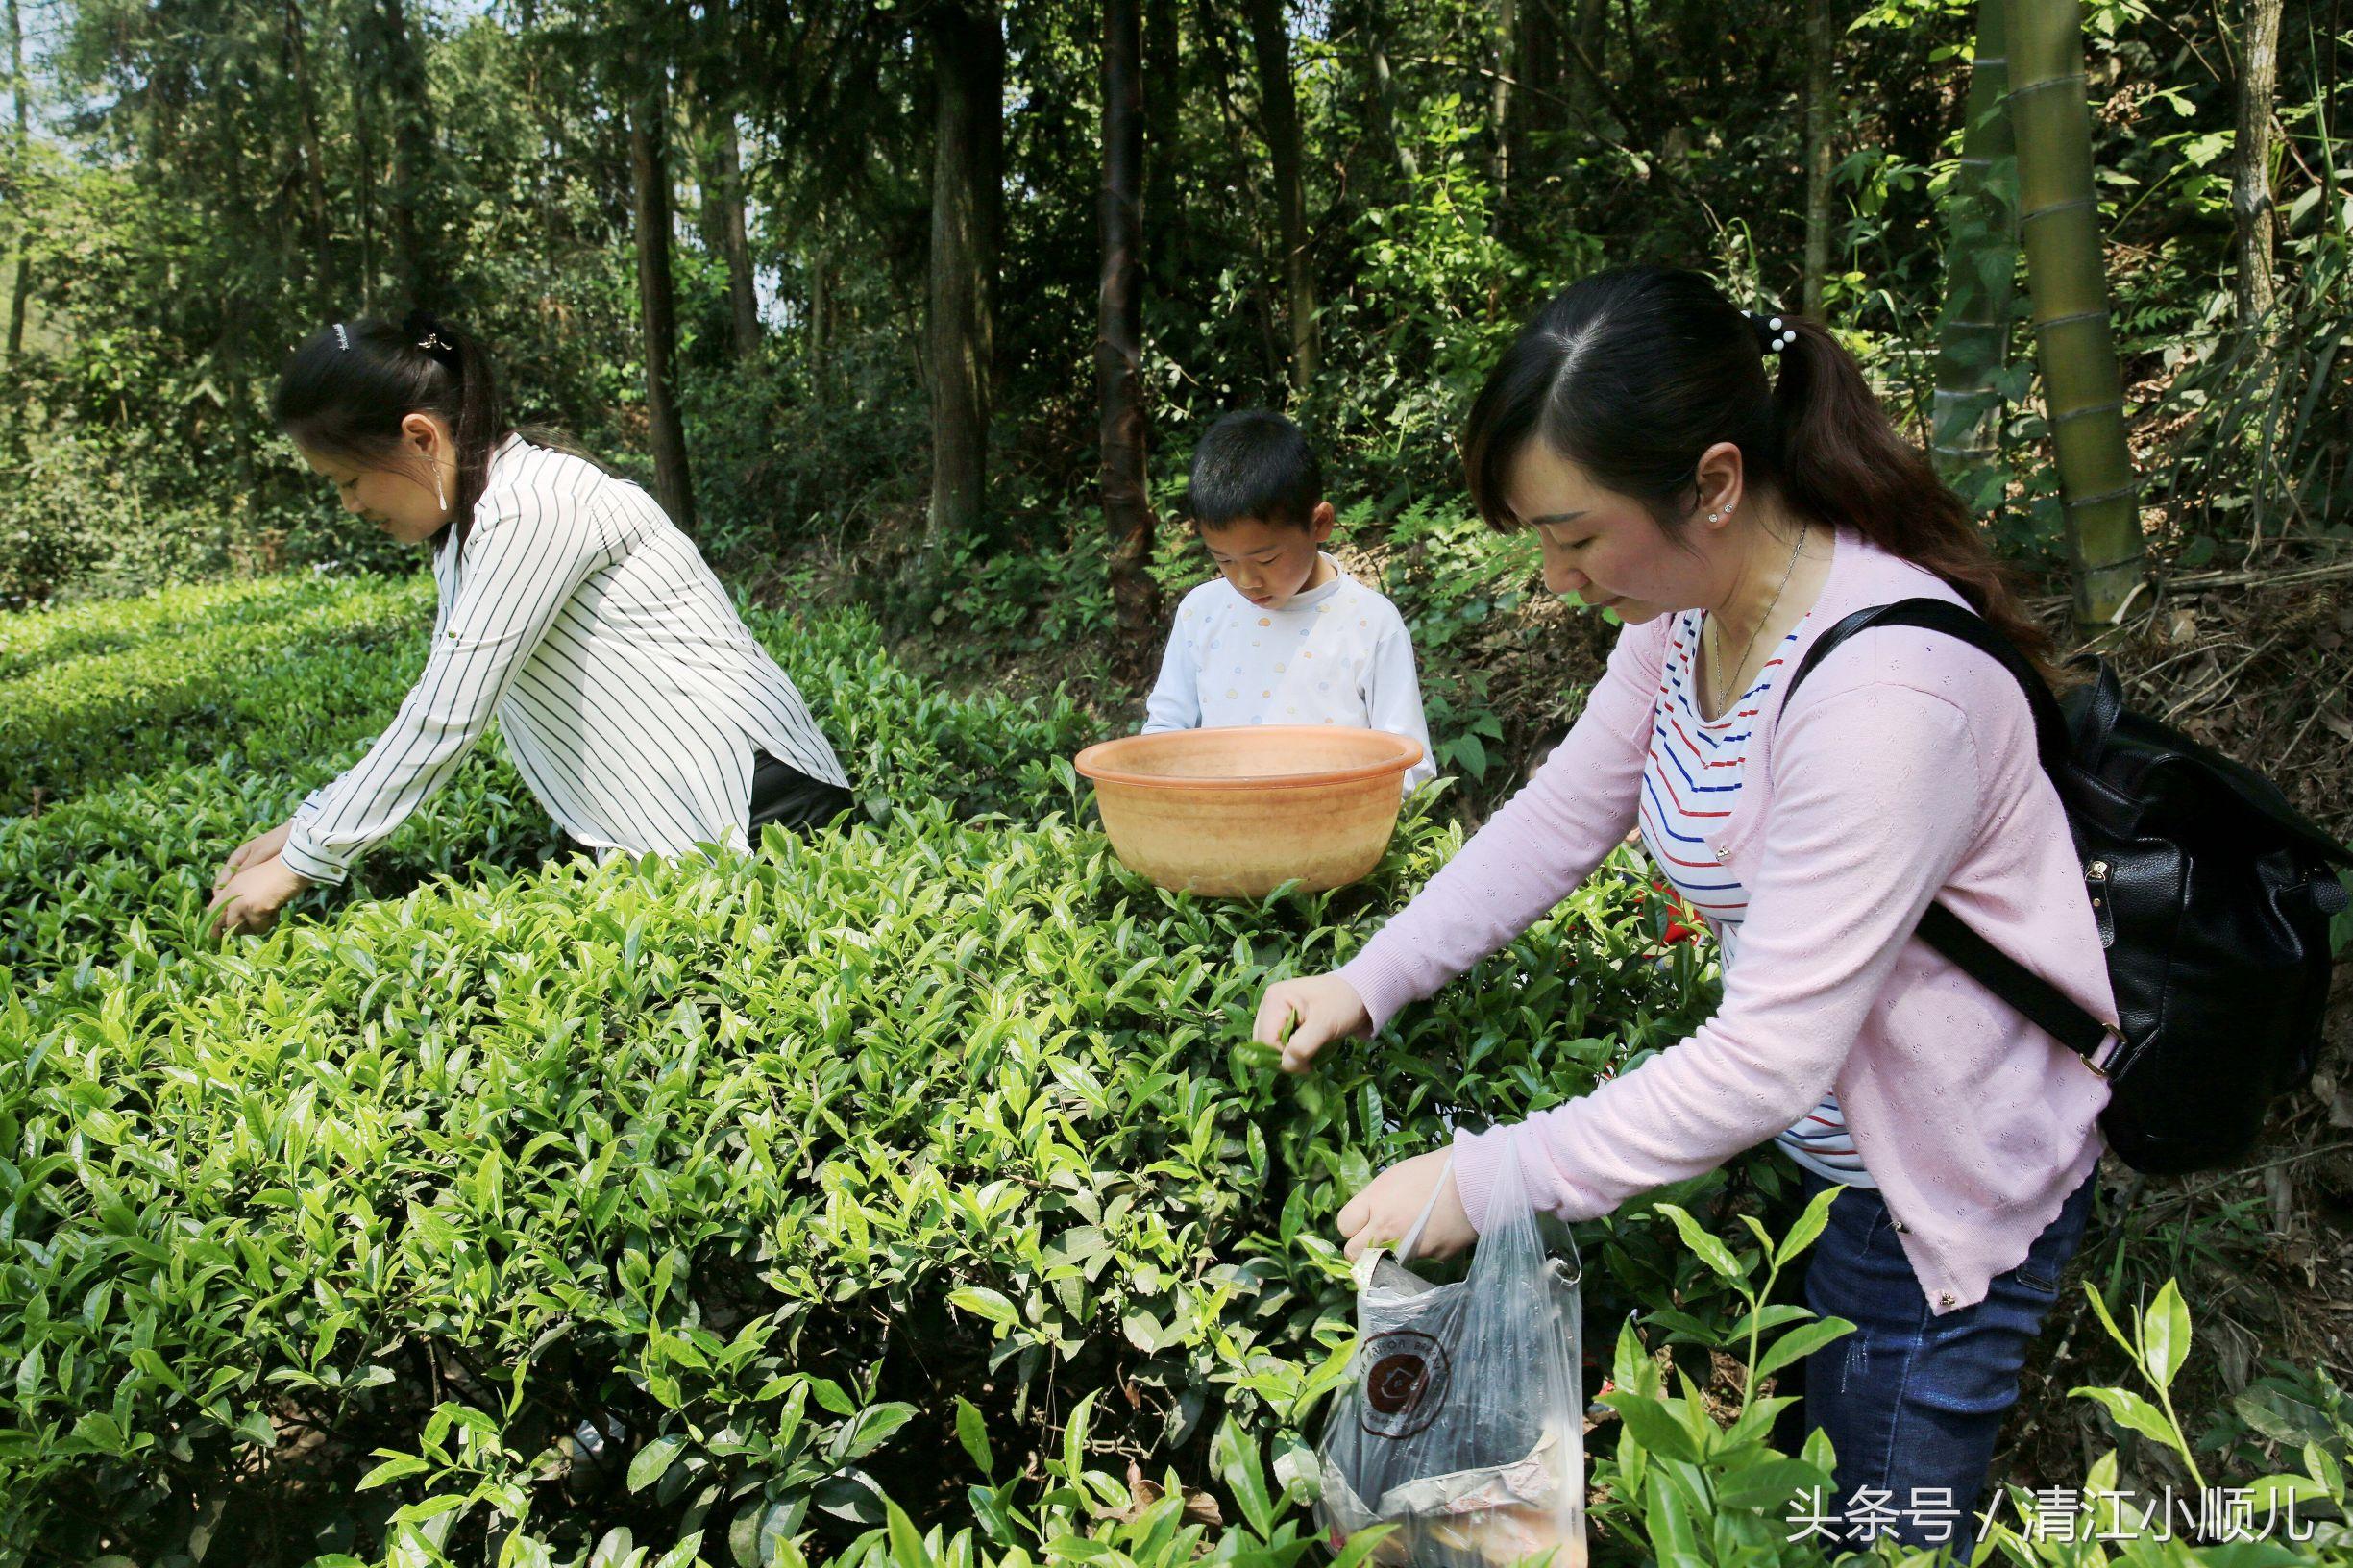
{"x":2213,"y":895}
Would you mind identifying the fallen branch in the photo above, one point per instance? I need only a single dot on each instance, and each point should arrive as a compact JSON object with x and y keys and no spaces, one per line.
{"x":2223,"y":681}
{"x":2309,"y":720}
{"x":2196,"y":581}
{"x":2184,"y":1195}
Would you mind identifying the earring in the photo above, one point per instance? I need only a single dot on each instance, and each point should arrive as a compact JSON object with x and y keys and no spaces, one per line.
{"x":438,"y":494}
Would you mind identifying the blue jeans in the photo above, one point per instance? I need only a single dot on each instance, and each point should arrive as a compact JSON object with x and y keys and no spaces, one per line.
{"x":1914,"y":1401}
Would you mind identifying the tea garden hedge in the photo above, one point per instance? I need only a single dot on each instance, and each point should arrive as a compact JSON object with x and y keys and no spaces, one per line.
{"x":905,"y":1195}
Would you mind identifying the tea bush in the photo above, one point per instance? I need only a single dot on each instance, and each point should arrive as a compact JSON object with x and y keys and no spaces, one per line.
{"x":743,"y":1165}
{"x":280,"y":679}
{"x":907,"y":1195}
{"x":106,"y":625}
{"x":248,"y":715}
{"x":182,"y":695}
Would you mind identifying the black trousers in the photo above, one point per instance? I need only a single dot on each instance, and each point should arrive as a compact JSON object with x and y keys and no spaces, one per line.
{"x":780,"y":794}
{"x":784,"y":795}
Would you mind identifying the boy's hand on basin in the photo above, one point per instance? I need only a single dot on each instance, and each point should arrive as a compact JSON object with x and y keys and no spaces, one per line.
{"x":1303,"y":1017}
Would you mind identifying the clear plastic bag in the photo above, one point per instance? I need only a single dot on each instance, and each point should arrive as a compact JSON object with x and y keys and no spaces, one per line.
{"x":1462,"y":1423}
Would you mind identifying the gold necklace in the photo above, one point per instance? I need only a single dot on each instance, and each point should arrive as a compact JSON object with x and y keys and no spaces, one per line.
{"x":1772,"y":605}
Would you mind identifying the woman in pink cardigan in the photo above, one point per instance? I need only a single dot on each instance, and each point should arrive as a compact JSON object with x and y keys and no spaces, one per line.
{"x":1729,"y":485}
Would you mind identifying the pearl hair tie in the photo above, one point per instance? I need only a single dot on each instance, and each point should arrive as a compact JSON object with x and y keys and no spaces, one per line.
{"x":1773,"y":335}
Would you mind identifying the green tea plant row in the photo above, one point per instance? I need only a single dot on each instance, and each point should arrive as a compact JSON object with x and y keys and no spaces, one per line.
{"x":897,"y":1197}
{"x":126,"y":864}
{"x":999,"y":1100}
{"x":280,"y":681}
{"x":740,"y":1164}
{"x":276,"y":665}
{"x":29,"y":642}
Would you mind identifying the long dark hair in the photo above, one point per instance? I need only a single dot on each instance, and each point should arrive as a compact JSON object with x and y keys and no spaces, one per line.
{"x":1635,"y":373}
{"x":346,"y":390}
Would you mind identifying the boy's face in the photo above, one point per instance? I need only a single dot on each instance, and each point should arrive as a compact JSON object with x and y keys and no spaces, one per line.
{"x":1268,"y":563}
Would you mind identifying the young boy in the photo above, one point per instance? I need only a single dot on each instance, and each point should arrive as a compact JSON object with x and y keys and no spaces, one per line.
{"x":1281,"y":635}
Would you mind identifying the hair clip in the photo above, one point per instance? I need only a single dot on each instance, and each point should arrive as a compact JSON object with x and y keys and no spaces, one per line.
{"x":431,"y":343}
{"x":343,"y":339}
{"x":1773,"y":335}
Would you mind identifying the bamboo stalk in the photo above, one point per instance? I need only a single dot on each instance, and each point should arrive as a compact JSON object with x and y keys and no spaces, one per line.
{"x":2075,"y":340}
{"x":1972,"y":346}
{"x":2250,"y":194}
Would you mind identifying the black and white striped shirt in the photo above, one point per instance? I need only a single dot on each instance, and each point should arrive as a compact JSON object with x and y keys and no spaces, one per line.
{"x":630,"y":694}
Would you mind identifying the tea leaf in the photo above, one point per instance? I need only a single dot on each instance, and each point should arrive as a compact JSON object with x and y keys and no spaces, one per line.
{"x":1710,"y":1251}
{"x":653,"y":1461}
{"x":2132,"y":1412}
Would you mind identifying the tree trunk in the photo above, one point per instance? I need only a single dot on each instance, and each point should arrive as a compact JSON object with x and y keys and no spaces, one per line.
{"x":656,"y":304}
{"x":21,"y":290}
{"x":2075,"y":342}
{"x":413,"y":229}
{"x":1537,"y":69}
{"x":1164,"y":105}
{"x":545,"y":116}
{"x":969,"y":54}
{"x":1272,"y":42}
{"x":356,"y":39}
{"x":1385,"y":92}
{"x":1118,"y":349}
{"x":1588,"y":42}
{"x":1507,"y":57}
{"x":2250,"y":185}
{"x":819,"y":326}
{"x":314,"y":157}
{"x":1973,"y":345}
{"x":1245,"y":180}
{"x":1821,"y":36}
{"x":725,"y":199}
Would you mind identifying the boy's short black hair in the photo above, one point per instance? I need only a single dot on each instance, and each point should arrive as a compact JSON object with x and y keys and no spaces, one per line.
{"x":1255,"y":463}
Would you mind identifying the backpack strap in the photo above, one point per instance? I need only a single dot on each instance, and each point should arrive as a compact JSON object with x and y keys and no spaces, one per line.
{"x":2033,"y":998}
{"x":1956,"y":621}
{"x":2096,"y":715}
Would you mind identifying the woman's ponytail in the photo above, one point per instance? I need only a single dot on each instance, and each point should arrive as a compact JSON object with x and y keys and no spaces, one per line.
{"x":1838,"y":457}
{"x":1633,"y":373}
{"x":347,"y":388}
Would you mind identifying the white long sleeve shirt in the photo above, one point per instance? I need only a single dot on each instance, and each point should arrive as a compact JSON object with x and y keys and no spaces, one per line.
{"x":1337,"y":654}
{"x":631,"y":693}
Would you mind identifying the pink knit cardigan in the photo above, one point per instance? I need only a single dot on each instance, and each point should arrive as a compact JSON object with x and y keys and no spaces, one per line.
{"x":1904,"y":773}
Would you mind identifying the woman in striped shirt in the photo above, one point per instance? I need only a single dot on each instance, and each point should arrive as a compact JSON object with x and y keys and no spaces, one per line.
{"x":634,"y":702}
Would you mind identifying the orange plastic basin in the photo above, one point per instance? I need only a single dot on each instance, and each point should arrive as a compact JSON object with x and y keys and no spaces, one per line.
{"x":1236,"y":813}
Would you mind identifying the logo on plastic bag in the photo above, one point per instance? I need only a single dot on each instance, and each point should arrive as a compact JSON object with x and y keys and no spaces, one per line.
{"x":1406,"y":1377}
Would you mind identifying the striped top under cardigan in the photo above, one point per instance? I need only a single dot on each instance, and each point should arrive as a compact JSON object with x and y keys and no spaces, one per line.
{"x":629,"y":692}
{"x":1689,"y":782}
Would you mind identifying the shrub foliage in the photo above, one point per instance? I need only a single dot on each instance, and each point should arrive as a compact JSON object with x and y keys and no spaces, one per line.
{"x":908,"y":1192}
